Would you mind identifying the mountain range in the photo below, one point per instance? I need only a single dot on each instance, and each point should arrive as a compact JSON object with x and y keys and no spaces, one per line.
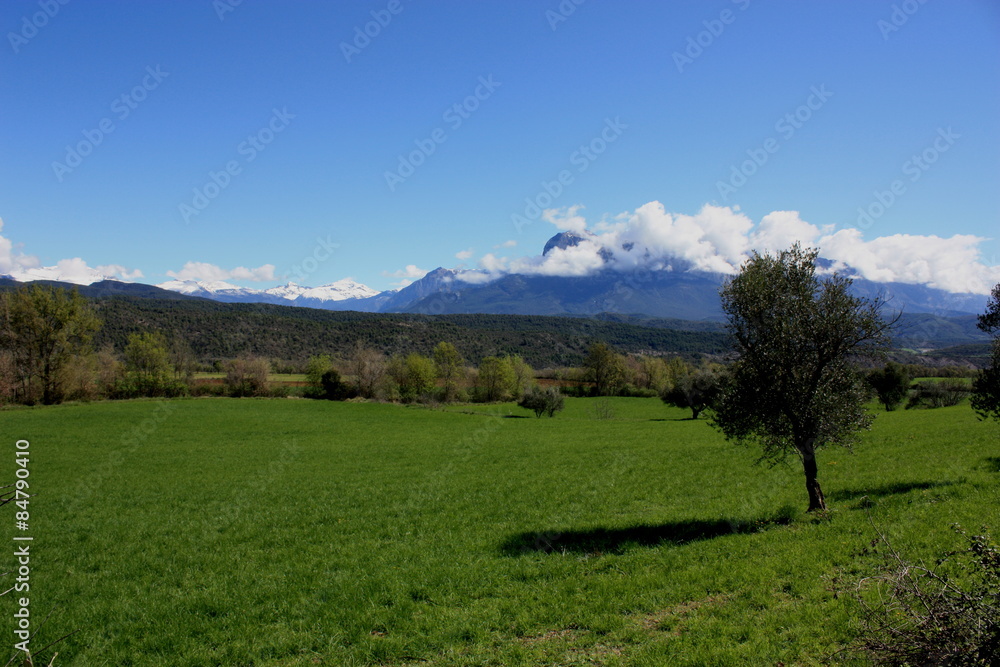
{"x":678,"y":292}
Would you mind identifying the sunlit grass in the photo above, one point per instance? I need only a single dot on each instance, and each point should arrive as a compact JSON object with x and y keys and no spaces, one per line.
{"x":293,"y":532}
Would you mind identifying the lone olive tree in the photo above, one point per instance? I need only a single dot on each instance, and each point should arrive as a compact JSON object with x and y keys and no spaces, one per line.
{"x":986,"y":387}
{"x":794,"y":388}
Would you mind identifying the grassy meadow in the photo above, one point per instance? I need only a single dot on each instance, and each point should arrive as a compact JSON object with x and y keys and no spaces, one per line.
{"x":293,"y":532}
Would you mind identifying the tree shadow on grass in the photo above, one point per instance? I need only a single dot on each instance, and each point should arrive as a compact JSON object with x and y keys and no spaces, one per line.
{"x":617,"y":540}
{"x":884,"y":490}
{"x":992,"y":463}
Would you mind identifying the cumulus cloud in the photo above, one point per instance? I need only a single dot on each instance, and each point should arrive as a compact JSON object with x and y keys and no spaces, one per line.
{"x":506,"y":244}
{"x":28,"y":267}
{"x":719,"y":239}
{"x":406,"y":275}
{"x":465,"y":254}
{"x":212,"y":273}
{"x":11,"y":261}
{"x":566,"y":219}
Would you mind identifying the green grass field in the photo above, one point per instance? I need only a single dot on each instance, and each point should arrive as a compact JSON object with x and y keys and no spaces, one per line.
{"x":294,"y":532}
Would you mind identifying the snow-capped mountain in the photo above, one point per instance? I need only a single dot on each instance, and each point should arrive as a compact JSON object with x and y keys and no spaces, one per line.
{"x":674,"y":290}
{"x":288,"y":294}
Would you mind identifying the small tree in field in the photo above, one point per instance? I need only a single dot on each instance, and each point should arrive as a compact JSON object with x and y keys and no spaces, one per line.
{"x":248,"y":376}
{"x":794,"y":388}
{"x":698,"y":390}
{"x":986,"y":387}
{"x":891,"y":383}
{"x":542,"y":401}
{"x":450,"y":369}
{"x":495,"y":379}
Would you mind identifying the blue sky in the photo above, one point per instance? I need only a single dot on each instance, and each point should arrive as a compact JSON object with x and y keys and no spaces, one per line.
{"x":833,"y":99}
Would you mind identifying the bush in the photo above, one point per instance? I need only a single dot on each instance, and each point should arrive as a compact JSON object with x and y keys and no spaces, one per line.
{"x":915,"y":615}
{"x":334,"y":388}
{"x":543,"y":401}
{"x":891,"y":383}
{"x":248,"y":377}
{"x":938,"y":394}
{"x":698,"y":391}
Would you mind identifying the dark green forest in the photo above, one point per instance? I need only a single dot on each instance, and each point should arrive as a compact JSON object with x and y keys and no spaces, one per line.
{"x":218,"y":331}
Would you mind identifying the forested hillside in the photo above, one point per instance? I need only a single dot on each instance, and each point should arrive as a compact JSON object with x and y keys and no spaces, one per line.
{"x":217,"y":331}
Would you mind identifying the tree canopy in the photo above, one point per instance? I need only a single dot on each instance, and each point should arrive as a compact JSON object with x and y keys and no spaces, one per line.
{"x":794,"y":387}
{"x":986,"y":387}
{"x":43,"y":328}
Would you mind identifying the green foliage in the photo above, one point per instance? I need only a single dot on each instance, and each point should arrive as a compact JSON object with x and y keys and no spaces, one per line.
{"x":605,"y":368}
{"x":413,"y":376}
{"x":148,"y":371}
{"x":937,"y":394}
{"x":220,"y":331}
{"x":494,"y":379}
{"x":316,"y":367}
{"x":522,"y":376}
{"x":334,"y":388}
{"x":450,"y":368}
{"x":41,"y":329}
{"x":986,"y":387}
{"x":891,"y":383}
{"x":698,"y":390}
{"x":543,"y":401}
{"x":794,"y":388}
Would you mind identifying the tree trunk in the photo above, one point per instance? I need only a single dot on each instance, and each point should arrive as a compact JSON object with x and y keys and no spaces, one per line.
{"x":816,"y":500}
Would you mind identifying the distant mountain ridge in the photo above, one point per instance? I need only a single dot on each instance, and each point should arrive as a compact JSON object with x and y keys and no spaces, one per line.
{"x":670,"y":293}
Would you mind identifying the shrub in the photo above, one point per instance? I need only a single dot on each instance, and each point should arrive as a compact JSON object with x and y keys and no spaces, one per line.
{"x":891,"y":383}
{"x":247,"y":376}
{"x":543,"y":401}
{"x":916,"y":615}
{"x":938,"y":394}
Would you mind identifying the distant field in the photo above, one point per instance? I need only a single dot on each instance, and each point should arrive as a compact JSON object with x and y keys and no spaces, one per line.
{"x":280,"y":378}
{"x":294,"y":532}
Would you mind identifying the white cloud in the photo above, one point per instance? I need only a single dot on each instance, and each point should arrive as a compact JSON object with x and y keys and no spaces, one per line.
{"x":506,"y":244}
{"x":953,"y":264}
{"x":780,"y":230}
{"x":28,"y":267}
{"x":120,"y":271}
{"x":719,"y":239}
{"x":211,"y":272}
{"x":566,"y":219}
{"x":407,"y":275}
{"x":464,"y":254}
{"x":10,"y":261}
{"x":411,"y":271}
